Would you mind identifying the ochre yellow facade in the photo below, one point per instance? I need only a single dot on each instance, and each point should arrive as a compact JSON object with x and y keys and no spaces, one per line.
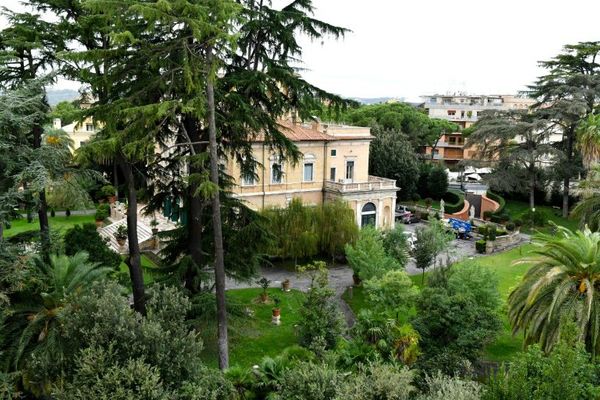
{"x":334,"y":164}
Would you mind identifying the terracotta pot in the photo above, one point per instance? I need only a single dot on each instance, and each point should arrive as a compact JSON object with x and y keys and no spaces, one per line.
{"x":99,"y":223}
{"x":356,"y":279}
{"x":121,"y":242}
{"x":276,"y":312}
{"x":285,"y":285}
{"x":112,"y":199}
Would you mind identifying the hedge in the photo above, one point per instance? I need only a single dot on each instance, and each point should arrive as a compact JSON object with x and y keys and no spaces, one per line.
{"x":454,"y":201}
{"x":498,"y":199}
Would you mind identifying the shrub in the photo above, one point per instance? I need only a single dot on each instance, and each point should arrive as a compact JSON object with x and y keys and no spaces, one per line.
{"x":392,"y":292}
{"x":491,"y":232}
{"x":378,"y":381}
{"x":480,"y":246}
{"x":518,"y":223}
{"x":102,"y":212}
{"x":52,"y":213}
{"x":320,"y":319}
{"x":442,"y":387}
{"x":510,"y":226}
{"x":457,"y":316}
{"x":483,"y":230}
{"x":367,"y":257}
{"x":107,"y":191}
{"x":85,"y":238}
{"x":428,"y":202}
{"x":396,"y":245}
{"x":535,"y":218}
{"x":67,"y":213}
{"x":487,"y":215}
{"x":455,"y":201}
{"x":310,"y":381}
{"x":498,"y":199}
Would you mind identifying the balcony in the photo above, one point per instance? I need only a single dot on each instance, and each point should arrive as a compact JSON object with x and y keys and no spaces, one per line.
{"x":454,"y":145}
{"x":374,"y":183}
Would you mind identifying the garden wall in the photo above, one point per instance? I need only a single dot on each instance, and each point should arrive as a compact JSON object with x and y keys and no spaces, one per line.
{"x":462,"y":214}
{"x":488,"y":204}
{"x":503,"y":242}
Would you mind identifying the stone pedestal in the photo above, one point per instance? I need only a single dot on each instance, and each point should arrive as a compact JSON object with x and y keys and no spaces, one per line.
{"x":276,"y":320}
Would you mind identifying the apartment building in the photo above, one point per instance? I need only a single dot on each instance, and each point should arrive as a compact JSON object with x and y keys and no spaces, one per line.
{"x":334,"y":165}
{"x":464,"y":110}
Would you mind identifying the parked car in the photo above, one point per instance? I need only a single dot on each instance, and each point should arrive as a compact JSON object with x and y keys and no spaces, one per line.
{"x":406,"y":216}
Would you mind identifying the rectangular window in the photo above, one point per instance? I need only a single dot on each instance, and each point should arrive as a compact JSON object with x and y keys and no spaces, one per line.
{"x":332,"y":174}
{"x":89,"y":127}
{"x":276,"y":173}
{"x":451,"y":112}
{"x":248,"y":179}
{"x":350,"y":170}
{"x":308,"y":172}
{"x":333,"y":152}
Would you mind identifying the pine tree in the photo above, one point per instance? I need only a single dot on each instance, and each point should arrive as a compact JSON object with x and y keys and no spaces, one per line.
{"x":565,"y":96}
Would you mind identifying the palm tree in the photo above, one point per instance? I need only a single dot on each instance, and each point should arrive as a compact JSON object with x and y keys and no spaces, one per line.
{"x":33,"y":320}
{"x":561,"y":286}
{"x":588,"y":140}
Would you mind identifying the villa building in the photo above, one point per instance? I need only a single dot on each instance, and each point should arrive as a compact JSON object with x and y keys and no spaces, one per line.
{"x":334,"y":165}
{"x":464,"y":111}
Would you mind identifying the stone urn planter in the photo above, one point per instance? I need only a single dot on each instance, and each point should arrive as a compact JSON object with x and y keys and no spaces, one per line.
{"x":285,"y":285}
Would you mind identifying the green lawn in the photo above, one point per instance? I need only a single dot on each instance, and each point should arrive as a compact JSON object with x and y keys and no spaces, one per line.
{"x":148,"y":266}
{"x":509,"y":275}
{"x":56,"y":223}
{"x":516,"y":208}
{"x":254,"y":337}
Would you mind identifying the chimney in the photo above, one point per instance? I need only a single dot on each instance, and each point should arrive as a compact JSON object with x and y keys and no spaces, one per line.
{"x":56,"y":124}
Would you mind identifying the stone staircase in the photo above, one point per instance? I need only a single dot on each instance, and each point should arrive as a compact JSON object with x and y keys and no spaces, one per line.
{"x":108,"y":232}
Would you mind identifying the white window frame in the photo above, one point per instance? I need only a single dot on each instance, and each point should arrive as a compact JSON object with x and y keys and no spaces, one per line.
{"x":89,"y":127}
{"x":312,"y":171}
{"x":334,"y":170}
{"x":351,"y":179}
{"x":272,"y":163}
{"x":248,"y":180}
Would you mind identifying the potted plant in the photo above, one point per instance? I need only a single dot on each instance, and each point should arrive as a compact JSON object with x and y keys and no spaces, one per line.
{"x":101,"y":215}
{"x":108,"y":192}
{"x":121,"y":235}
{"x":276,"y":309}
{"x":154,"y":225}
{"x":264,"y":283}
{"x":285,"y":285}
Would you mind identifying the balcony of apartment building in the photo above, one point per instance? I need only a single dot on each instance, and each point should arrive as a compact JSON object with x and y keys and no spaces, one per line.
{"x":374,"y":183}
{"x":451,"y":142}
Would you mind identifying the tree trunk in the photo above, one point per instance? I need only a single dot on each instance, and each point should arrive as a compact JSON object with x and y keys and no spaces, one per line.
{"x":532,"y":191}
{"x":42,"y":206}
{"x":195,"y":225}
{"x":216,"y":216}
{"x":133,"y":260}
{"x":567,"y":179}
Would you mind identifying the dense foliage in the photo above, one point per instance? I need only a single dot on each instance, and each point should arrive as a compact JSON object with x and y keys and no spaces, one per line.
{"x":86,"y":238}
{"x":301,"y":231}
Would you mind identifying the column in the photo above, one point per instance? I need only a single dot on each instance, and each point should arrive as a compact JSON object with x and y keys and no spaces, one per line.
{"x":379,"y":214}
{"x":393,"y":216}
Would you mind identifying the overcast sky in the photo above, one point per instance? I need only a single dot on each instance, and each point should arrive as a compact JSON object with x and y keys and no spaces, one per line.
{"x":410,"y":48}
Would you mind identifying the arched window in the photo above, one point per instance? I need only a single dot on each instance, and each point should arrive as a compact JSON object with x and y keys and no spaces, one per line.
{"x":368,"y":215}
